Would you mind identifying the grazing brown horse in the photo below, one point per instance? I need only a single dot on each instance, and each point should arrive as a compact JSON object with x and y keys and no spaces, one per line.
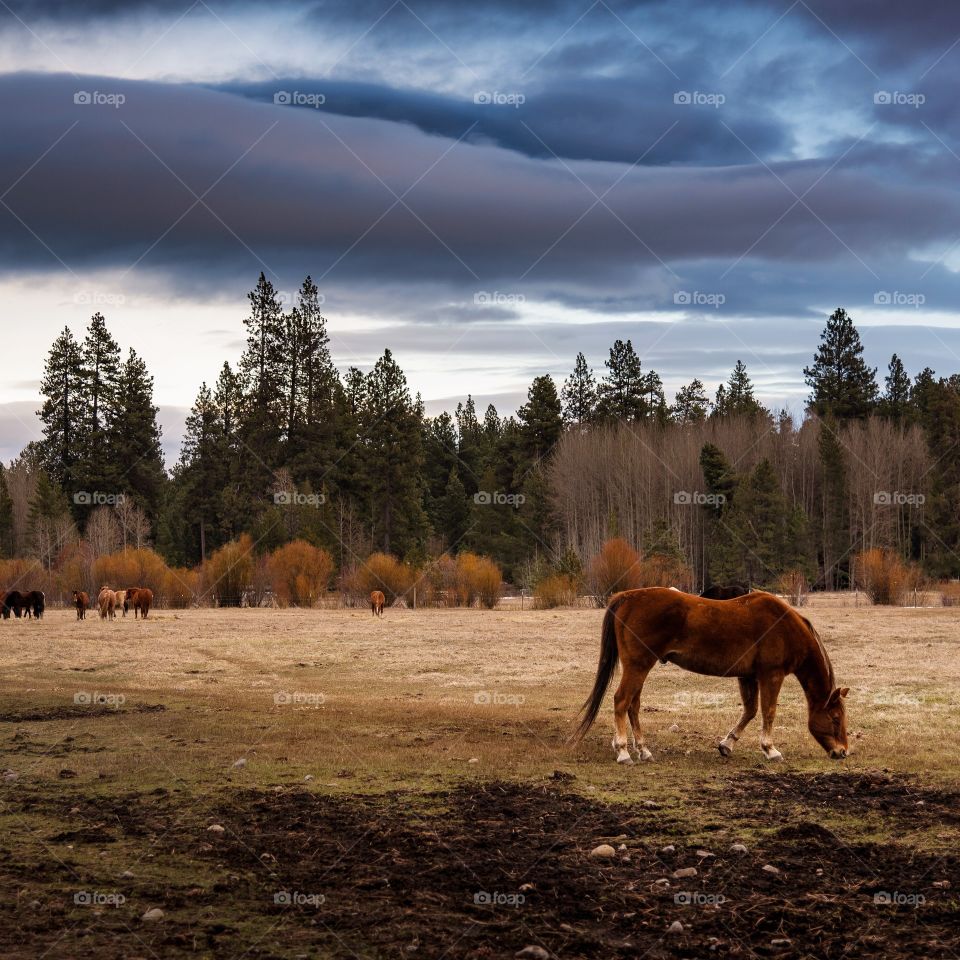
{"x":81,"y":601}
{"x":120,"y":600}
{"x":757,"y":638}
{"x":106,"y":601}
{"x":377,"y":600}
{"x":140,"y":598}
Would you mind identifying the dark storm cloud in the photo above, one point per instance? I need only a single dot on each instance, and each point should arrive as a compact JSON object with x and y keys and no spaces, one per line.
{"x":591,"y":119}
{"x":291,"y":192}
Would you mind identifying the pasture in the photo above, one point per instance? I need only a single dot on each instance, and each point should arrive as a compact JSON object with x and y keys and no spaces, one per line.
{"x":323,"y":783}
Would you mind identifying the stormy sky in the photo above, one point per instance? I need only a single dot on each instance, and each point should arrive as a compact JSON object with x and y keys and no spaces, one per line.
{"x":485,"y":188}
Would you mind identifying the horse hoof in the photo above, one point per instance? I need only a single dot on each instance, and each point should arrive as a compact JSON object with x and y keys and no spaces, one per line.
{"x":773,"y":754}
{"x":626,"y":761}
{"x":646,"y":756}
{"x":725,"y":750}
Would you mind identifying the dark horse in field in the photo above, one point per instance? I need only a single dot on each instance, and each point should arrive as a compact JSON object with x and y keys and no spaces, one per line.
{"x":757,"y":638}
{"x":35,"y":603}
{"x":717,"y":592}
{"x":377,"y":600}
{"x":14,"y":602}
{"x":140,"y":598}
{"x":81,"y":601}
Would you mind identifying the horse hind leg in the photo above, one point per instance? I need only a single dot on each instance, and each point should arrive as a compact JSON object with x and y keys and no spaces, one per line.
{"x":749,"y":693}
{"x":769,"y":692}
{"x":633,"y":712}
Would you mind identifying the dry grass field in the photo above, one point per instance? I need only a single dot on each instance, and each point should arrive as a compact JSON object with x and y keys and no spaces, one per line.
{"x":290,"y":783}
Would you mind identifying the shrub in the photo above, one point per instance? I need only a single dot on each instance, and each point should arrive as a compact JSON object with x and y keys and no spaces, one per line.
{"x":380,"y":571}
{"x":660,"y":570}
{"x":478,"y":579}
{"x":228,"y":572}
{"x":299,"y":573}
{"x":614,"y":568}
{"x":950,"y":593}
{"x":24,"y":575}
{"x":131,"y":568}
{"x":181,"y":587}
{"x":793,"y":585}
{"x":884,"y":577}
{"x":557,"y":590}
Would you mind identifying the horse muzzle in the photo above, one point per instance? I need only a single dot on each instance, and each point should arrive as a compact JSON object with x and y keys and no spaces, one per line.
{"x":838,"y":753}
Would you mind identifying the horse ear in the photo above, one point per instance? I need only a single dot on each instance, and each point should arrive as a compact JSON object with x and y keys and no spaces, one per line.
{"x":844,"y":691}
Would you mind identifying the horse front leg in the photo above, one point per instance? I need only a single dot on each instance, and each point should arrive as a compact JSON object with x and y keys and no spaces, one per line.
{"x":749,"y":693}
{"x":769,"y":692}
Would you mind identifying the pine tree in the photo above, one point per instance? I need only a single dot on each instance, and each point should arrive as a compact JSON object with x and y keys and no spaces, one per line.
{"x":842,"y":384}
{"x":579,"y":394}
{"x":452,"y":512}
{"x":740,"y":400}
{"x":63,"y":410}
{"x":470,"y":444}
{"x":49,"y":521}
{"x":942,"y":401}
{"x":6,"y":516}
{"x":622,"y":392}
{"x":391,"y":427}
{"x":835,"y":523}
{"x":691,"y":404}
{"x":541,"y":421}
{"x":719,"y":477}
{"x":132,"y":437}
{"x":895,"y":402}
{"x":922,"y":393}
{"x":202,"y":467}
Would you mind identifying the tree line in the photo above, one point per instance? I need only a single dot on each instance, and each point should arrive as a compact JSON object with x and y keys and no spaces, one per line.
{"x":285,"y":447}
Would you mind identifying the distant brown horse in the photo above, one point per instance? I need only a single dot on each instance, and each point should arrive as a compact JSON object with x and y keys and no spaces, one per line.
{"x":106,"y":602}
{"x":377,"y":600}
{"x":120,"y":601}
{"x":81,"y":601}
{"x":141,"y":599}
{"x":757,"y":638}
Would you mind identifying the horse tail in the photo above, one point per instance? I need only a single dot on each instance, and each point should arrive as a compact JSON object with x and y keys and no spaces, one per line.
{"x":609,"y":657}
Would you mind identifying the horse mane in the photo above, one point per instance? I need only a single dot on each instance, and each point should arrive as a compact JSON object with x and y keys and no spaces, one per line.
{"x":822,"y":649}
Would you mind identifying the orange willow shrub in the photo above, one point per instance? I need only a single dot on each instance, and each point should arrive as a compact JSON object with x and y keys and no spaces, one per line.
{"x":558,"y":590}
{"x":479,"y":579}
{"x":131,"y":568}
{"x":227,"y":574}
{"x":181,"y":587}
{"x":380,"y":571}
{"x":23,"y":575}
{"x":299,"y":573}
{"x":659,"y":570}
{"x":793,"y":585}
{"x":884,"y":577}
{"x":616,"y":567}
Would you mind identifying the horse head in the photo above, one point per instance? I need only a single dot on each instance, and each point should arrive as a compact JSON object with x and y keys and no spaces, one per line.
{"x":828,"y":724}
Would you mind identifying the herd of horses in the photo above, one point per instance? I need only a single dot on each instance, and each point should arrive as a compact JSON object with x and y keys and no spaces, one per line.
{"x":726,"y":632}
{"x":29,"y":604}
{"x":139,"y":599}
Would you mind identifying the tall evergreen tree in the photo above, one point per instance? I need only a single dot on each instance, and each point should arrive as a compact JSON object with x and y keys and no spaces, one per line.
{"x":842,"y":384}
{"x":622,"y":392}
{"x":6,"y":516}
{"x":63,"y":410}
{"x":835,"y":519}
{"x":740,"y":400}
{"x":579,"y":394}
{"x":691,"y":404}
{"x":895,"y":402}
{"x":541,"y":421}
{"x":132,"y":437}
